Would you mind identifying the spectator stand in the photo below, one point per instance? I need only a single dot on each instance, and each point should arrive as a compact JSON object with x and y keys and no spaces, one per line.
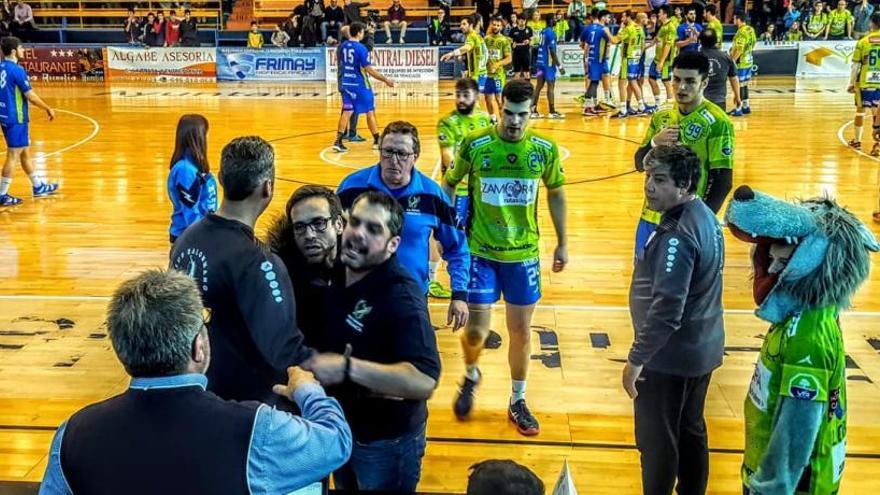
{"x":84,"y":14}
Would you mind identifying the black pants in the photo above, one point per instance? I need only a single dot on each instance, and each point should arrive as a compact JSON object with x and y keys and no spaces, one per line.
{"x":671,"y":433}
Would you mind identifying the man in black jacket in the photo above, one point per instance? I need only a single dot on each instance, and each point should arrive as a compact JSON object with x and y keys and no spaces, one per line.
{"x":334,"y":17}
{"x":306,"y":238}
{"x":253,"y":332}
{"x":675,"y":305}
{"x":189,"y":30}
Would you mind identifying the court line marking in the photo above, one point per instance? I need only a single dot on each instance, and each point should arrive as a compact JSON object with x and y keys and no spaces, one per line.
{"x":95,"y":129}
{"x":560,"y":307}
{"x":844,"y":142}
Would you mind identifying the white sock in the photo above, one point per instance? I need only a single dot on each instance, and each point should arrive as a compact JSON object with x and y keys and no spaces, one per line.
{"x":518,"y":390}
{"x":659,"y":100}
{"x":746,"y":103}
{"x":5,"y":182}
{"x":35,"y":179}
{"x":472,"y":372}
{"x":641,"y":105}
{"x":859,"y":132}
{"x":432,"y":270}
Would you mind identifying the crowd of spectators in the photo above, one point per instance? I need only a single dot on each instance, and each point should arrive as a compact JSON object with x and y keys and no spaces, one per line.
{"x":155,"y":29}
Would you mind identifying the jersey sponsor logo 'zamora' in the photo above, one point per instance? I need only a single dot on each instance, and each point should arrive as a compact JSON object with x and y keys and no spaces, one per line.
{"x":509,"y":192}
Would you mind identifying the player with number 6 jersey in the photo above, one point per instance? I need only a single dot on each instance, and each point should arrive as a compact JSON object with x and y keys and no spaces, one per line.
{"x":864,"y":83}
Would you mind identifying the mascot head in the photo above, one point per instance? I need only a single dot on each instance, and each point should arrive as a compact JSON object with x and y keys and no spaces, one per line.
{"x":806,"y":255}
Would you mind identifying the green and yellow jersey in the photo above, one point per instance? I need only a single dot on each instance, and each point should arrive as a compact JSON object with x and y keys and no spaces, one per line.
{"x":503,"y":179}
{"x":477,"y":56}
{"x":498,"y":47}
{"x":744,"y":41}
{"x":707,"y":131}
{"x":867,"y":52}
{"x":667,"y":36}
{"x":802,"y":358}
{"x":793,"y":35}
{"x":715,"y":25}
{"x":816,"y":24}
{"x":837,"y":22}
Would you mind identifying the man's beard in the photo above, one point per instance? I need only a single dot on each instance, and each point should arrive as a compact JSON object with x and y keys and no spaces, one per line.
{"x":367,"y":261}
{"x":467,"y":110}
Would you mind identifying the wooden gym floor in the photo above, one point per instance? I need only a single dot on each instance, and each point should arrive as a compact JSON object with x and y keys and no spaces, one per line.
{"x":61,"y":257}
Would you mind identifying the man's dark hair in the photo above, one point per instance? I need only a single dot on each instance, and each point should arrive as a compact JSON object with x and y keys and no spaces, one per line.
{"x":466,"y":84}
{"x":708,"y":39}
{"x":498,"y":18}
{"x":474,"y":19}
{"x":131,"y":9}
{"x":187,"y":11}
{"x":875,"y":19}
{"x":395,"y":211}
{"x":253,"y":23}
{"x":9,"y":44}
{"x":603,"y":13}
{"x":503,"y":477}
{"x":550,"y":20}
{"x":403,"y":127}
{"x":712,"y":9}
{"x":244,"y":164}
{"x":683,"y":164}
{"x":690,"y":9}
{"x":356,"y":28}
{"x":666,"y":10}
{"x":692,"y":61}
{"x":310,"y":191}
{"x":518,"y":91}
{"x":741,"y":15}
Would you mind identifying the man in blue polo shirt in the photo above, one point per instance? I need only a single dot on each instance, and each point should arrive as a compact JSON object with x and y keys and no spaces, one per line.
{"x":428,"y":211}
{"x":15,"y":93}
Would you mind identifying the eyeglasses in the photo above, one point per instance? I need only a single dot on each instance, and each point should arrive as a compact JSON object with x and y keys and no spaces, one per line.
{"x":317,"y":225}
{"x":399,"y":155}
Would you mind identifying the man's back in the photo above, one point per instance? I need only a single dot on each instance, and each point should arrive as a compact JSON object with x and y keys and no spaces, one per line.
{"x":13,"y":86}
{"x":682,"y":262}
{"x":721,"y":67}
{"x":253,"y":332}
{"x":594,"y":36}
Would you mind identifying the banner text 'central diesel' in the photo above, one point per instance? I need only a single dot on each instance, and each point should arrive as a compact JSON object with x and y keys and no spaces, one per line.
{"x":398,"y":63}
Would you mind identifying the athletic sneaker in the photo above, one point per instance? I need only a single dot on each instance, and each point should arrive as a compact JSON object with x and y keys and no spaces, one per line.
{"x":875,"y":150}
{"x":649,"y":109}
{"x":436,"y":289}
{"x":339,"y":147}
{"x":355,"y":139}
{"x":580,"y":99}
{"x":375,"y":145}
{"x":876,"y":216}
{"x":45,"y":189}
{"x":856,"y":145}
{"x":589,"y":112}
{"x":620,"y":115}
{"x":555,"y":116}
{"x":7,"y":200}
{"x":607,"y":106}
{"x":464,"y":403}
{"x":736,"y":112}
{"x":747,"y":110}
{"x":526,"y":424}
{"x":536,"y":115}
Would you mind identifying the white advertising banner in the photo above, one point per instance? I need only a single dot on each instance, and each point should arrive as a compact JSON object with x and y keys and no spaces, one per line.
{"x":160,"y":64}
{"x":572,"y":59}
{"x":825,"y":58}
{"x":398,"y":63}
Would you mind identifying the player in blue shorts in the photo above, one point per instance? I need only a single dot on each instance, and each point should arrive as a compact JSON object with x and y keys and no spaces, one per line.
{"x":594,"y":42}
{"x":357,"y":95}
{"x":15,"y":93}
{"x":547,"y":64}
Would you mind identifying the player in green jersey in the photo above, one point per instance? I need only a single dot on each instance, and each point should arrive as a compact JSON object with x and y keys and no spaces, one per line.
{"x":664,"y":54}
{"x":451,"y":129}
{"x":504,"y":166}
{"x":741,"y":53}
{"x":500,"y":52}
{"x":625,"y":35}
{"x":713,"y":22}
{"x":817,"y":23}
{"x":474,"y":49}
{"x":632,"y":60}
{"x":840,"y":23}
{"x":865,"y":84}
{"x":700,"y":125}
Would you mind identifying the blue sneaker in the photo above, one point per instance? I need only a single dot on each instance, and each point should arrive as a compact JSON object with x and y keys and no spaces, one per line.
{"x":7,"y":200}
{"x":45,"y":189}
{"x":747,"y":110}
{"x":649,"y":109}
{"x":355,"y":139}
{"x":736,"y":112}
{"x":620,"y":115}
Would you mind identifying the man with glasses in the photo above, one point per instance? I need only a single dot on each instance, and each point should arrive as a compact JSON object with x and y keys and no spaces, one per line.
{"x":427,"y":212}
{"x":167,"y":434}
{"x":254,"y":334}
{"x":306,"y":238}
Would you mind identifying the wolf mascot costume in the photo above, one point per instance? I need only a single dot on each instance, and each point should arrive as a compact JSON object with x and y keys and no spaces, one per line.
{"x":809,"y":258}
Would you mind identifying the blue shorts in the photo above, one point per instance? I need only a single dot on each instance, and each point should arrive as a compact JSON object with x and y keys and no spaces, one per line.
{"x":655,"y":74}
{"x":548,"y":73}
{"x":867,"y":98}
{"x":520,"y":282}
{"x":481,"y":83}
{"x":360,"y":100}
{"x":493,"y":86}
{"x":16,"y":135}
{"x":595,"y":70}
{"x":461,"y":204}
{"x":643,"y":233}
{"x":633,"y":72}
{"x":744,"y":75}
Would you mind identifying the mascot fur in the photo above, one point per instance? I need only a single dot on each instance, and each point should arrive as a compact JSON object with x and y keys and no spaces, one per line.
{"x":809,"y":257}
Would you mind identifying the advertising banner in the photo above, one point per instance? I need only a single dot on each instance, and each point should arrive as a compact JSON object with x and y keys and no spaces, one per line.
{"x":67,"y":63}
{"x":572,"y":59}
{"x":403,"y":64}
{"x":277,"y":64}
{"x":161,"y":64}
{"x":825,"y":58}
